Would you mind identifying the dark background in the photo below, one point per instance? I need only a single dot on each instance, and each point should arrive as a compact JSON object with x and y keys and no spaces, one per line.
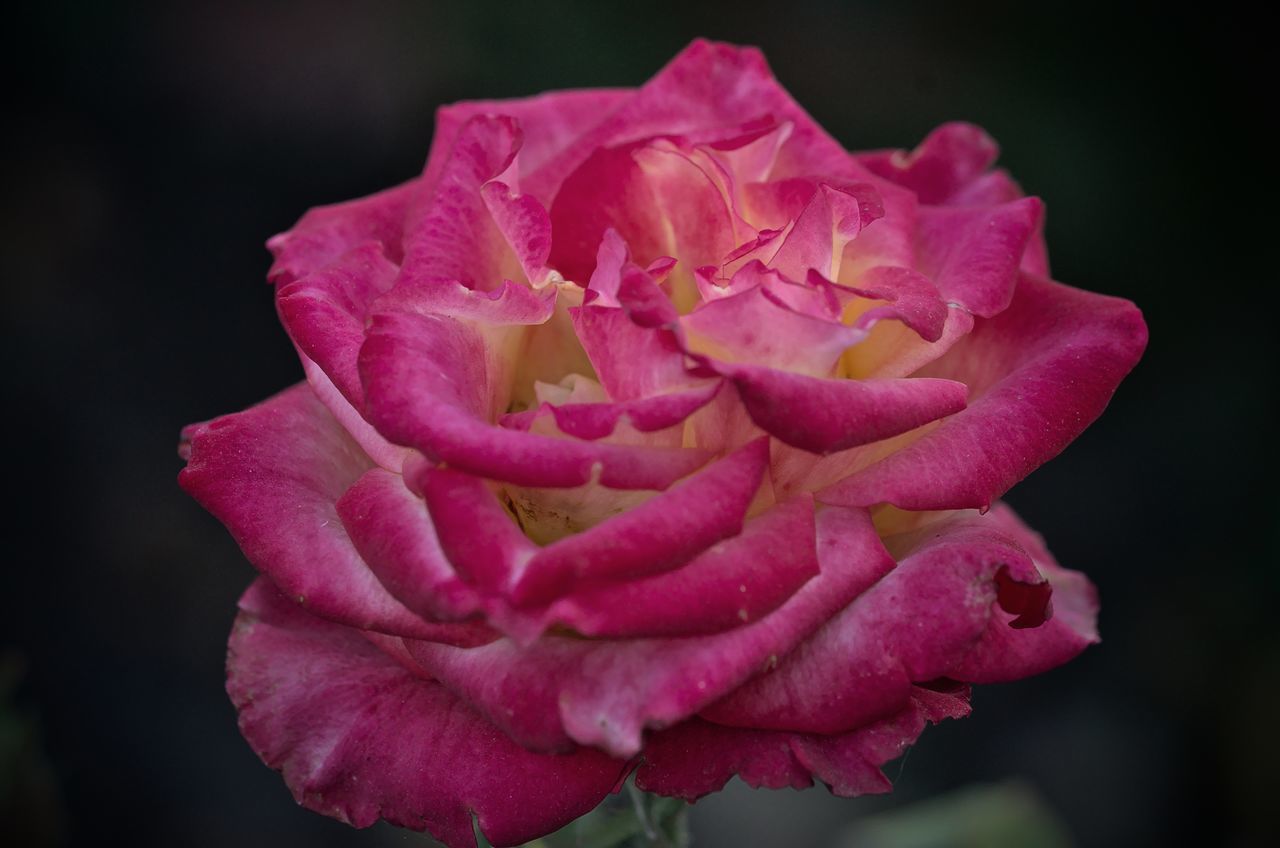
{"x":152,"y":149}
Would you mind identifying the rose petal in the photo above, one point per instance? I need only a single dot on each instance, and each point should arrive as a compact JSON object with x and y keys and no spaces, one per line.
{"x":632,"y":361}
{"x":452,"y":232}
{"x":1012,"y":653}
{"x":756,"y":327}
{"x":973,"y":254}
{"x":272,"y":475}
{"x":955,"y":582}
{"x":431,"y":384}
{"x":666,"y":531}
{"x":326,"y":233}
{"x":1038,"y":374}
{"x":946,"y":163}
{"x":359,"y":737}
{"x":736,"y":581}
{"x":833,"y":217}
{"x":606,"y":693}
{"x":324,"y":313}
{"x":598,"y":420}
{"x":707,"y":86}
{"x":393,"y":532}
{"x":828,"y":415}
{"x":697,"y":757}
{"x":549,"y":122}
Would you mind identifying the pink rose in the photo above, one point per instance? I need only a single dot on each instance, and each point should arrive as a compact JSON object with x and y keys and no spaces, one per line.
{"x":650,"y":429}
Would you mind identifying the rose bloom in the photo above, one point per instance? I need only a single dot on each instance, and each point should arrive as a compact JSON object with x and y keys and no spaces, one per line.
{"x":649,"y":431}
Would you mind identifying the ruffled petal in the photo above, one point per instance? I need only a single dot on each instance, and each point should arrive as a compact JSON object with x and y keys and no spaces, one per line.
{"x":708,"y":86}
{"x":737,"y":581}
{"x":393,"y":532}
{"x":324,"y":313}
{"x":598,"y":420}
{"x":358,"y":736}
{"x":697,"y":757}
{"x":756,"y":326}
{"x":605,"y":693}
{"x":452,"y":233}
{"x":549,"y":122}
{"x":272,"y":475}
{"x":431,"y":383}
{"x":632,"y":361}
{"x":326,"y":233}
{"x":1012,"y":653}
{"x":1038,"y":374}
{"x":956,"y":582}
{"x":973,"y":254}
{"x":949,"y":161}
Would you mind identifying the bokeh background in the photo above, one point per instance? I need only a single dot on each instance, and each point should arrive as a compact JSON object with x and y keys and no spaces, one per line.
{"x":153,"y":147}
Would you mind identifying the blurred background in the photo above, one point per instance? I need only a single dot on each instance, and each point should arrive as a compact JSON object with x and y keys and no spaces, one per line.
{"x":154,"y":147}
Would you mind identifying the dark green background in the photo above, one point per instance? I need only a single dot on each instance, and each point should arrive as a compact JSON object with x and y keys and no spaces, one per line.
{"x":155,"y":147}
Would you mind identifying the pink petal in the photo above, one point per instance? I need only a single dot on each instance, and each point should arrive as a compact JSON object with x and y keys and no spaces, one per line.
{"x":973,"y":254}
{"x":632,"y":361}
{"x":359,"y":737}
{"x":606,"y":693}
{"x":707,"y":86}
{"x":324,"y":313}
{"x":755,"y":326}
{"x":326,"y":233}
{"x":480,"y":540}
{"x":660,"y":534}
{"x":697,"y":757}
{"x":946,"y":163}
{"x":431,"y":384}
{"x":1038,"y":374}
{"x":833,"y":217}
{"x":1012,"y":653}
{"x":828,"y":415}
{"x":511,"y":304}
{"x":549,"y":122}
{"x":272,"y":475}
{"x":956,"y":582}
{"x":598,"y":420}
{"x":393,"y":532}
{"x":739,"y":580}
{"x":452,"y":233}
{"x":912,"y":299}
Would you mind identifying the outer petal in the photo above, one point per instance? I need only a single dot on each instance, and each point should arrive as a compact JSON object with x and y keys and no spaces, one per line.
{"x":1010,"y":653}
{"x":550,"y":122}
{"x":1038,"y":373}
{"x":358,"y":736}
{"x":272,"y":475}
{"x":973,"y":254}
{"x":961,"y":584}
{"x":947,"y":162}
{"x":697,"y":757}
{"x":324,"y":313}
{"x":454,"y":234}
{"x":606,"y":693}
{"x":326,"y":233}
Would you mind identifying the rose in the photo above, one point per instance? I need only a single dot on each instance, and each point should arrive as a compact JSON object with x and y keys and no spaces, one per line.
{"x":649,"y":430}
